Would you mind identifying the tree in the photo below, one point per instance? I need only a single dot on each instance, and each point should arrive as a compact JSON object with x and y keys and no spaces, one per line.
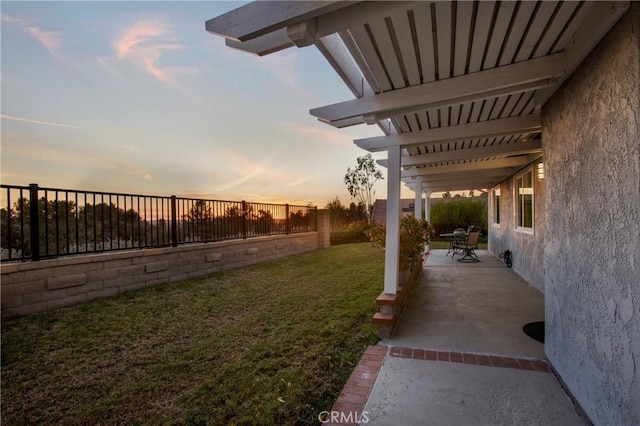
{"x":56,"y":223}
{"x":234,"y":217}
{"x":357,"y":212}
{"x":264,"y":222}
{"x":199,"y":210}
{"x":199,"y":221}
{"x":360,"y":181}
{"x":338,"y":213}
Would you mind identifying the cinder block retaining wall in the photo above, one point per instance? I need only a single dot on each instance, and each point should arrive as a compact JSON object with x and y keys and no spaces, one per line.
{"x":32,"y":287}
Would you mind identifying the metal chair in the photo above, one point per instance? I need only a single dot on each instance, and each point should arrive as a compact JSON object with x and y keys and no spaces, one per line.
{"x":468,"y":247}
{"x":457,"y":236}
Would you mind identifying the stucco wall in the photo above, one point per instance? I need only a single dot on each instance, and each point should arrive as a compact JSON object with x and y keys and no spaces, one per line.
{"x":592,"y":252}
{"x":527,"y":249}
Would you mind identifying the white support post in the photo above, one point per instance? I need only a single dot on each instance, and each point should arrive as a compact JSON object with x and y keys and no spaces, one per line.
{"x":392,"y":244}
{"x":427,"y":206}
{"x":427,"y":213}
{"x":418,"y":200}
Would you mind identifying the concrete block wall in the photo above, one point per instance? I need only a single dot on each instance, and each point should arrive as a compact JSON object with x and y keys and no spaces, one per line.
{"x":28,"y":288}
{"x":324,"y":229}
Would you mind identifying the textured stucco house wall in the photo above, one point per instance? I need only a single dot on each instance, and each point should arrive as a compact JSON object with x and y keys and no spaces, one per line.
{"x":526,"y":245}
{"x":584,"y":251}
{"x":591,"y":138}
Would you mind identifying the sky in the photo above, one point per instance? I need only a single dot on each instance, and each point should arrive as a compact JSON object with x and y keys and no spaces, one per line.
{"x":137,"y":97}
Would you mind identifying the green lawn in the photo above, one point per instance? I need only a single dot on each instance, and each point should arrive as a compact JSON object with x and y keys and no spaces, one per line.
{"x":270,"y":344}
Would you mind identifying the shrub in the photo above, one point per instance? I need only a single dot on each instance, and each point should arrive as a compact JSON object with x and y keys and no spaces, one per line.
{"x":356,"y":232}
{"x":414,"y":235}
{"x":458,"y":213}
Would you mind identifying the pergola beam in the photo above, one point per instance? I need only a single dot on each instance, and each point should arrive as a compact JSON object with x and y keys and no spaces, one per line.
{"x":518,"y":77}
{"x":306,"y":31}
{"x":482,"y":174}
{"x":485,"y":129}
{"x":458,"y":186}
{"x":259,"y":18}
{"x":264,"y":45}
{"x":474,"y":153}
{"x":463,"y":167}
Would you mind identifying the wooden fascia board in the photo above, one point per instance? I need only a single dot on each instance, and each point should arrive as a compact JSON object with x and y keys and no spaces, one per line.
{"x":264,"y":45}
{"x":484,"y":129}
{"x":347,"y":122}
{"x":262,"y":17}
{"x":473,"y":153}
{"x":538,"y":72}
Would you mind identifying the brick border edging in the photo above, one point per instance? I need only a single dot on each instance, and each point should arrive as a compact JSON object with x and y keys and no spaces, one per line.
{"x":472,"y":359}
{"x":356,"y":391}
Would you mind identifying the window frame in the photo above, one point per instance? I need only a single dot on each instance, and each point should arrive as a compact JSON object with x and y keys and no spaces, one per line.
{"x":520,"y":202}
{"x":495,"y":207}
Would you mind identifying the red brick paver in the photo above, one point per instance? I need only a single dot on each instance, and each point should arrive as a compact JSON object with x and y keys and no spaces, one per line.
{"x":456,"y":357}
{"x":471,"y":358}
{"x":350,"y":403}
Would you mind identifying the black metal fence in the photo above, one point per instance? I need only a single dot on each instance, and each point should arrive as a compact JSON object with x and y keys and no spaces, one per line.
{"x":39,"y":223}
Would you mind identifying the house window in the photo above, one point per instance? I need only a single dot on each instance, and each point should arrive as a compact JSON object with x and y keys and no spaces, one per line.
{"x":524,"y":200}
{"x":496,"y":206}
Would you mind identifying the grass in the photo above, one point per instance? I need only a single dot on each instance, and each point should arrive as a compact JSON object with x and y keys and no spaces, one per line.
{"x":268,"y":344}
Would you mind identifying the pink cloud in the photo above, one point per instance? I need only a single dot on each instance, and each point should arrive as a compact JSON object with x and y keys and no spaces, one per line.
{"x":49,"y":39}
{"x":144,"y":43}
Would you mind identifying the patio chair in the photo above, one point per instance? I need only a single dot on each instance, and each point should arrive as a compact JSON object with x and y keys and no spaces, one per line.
{"x":468,"y":247}
{"x":459,"y":237}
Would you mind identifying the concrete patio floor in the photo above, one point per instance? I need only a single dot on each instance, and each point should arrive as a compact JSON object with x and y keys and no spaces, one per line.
{"x":470,"y":307}
{"x":459,"y":356}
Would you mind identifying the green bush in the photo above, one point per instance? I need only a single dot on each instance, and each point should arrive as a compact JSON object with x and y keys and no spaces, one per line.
{"x":414,"y":234}
{"x":356,"y":232}
{"x":458,"y":213}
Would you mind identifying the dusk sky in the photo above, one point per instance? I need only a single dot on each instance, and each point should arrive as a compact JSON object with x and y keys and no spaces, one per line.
{"x":138,"y":97}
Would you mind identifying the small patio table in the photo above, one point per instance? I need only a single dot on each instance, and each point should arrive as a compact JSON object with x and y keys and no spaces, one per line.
{"x":452,"y":236}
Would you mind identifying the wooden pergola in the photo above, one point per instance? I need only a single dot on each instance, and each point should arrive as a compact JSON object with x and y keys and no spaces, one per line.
{"x":456,"y":87}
